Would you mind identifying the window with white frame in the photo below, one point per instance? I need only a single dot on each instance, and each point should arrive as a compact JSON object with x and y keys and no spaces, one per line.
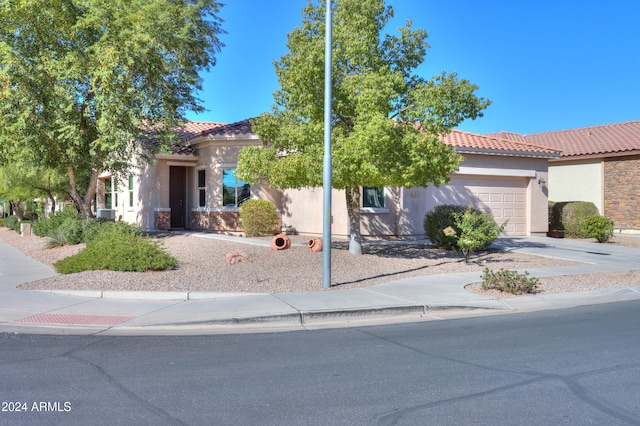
{"x":234,"y":191}
{"x":110,"y":193}
{"x":373,"y":197}
{"x":202,"y":188}
{"x":130,"y":189}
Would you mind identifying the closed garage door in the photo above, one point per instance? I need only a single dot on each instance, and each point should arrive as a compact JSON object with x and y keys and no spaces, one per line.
{"x":505,"y":198}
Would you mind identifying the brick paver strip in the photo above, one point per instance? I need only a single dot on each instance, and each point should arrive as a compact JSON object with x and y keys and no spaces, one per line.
{"x":74,"y":319}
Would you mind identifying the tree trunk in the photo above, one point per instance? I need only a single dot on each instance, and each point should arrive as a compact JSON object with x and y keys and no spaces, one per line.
{"x":15,"y":206}
{"x":47,"y":190}
{"x":83,"y":203}
{"x":397,"y":201}
{"x":353,"y":209}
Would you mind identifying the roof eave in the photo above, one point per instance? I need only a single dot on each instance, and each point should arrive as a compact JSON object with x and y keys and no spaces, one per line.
{"x":507,"y":153}
{"x":599,"y":155}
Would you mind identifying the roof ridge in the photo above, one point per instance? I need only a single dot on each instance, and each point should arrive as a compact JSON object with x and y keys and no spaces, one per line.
{"x":523,"y":143}
{"x":575,"y":129}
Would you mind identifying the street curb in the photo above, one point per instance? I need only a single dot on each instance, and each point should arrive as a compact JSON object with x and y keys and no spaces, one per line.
{"x":149,"y":295}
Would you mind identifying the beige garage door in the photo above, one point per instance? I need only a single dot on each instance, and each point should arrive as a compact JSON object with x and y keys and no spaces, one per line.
{"x":505,"y":198}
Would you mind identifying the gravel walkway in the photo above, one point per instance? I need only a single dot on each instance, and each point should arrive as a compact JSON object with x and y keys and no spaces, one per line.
{"x":202,"y":266}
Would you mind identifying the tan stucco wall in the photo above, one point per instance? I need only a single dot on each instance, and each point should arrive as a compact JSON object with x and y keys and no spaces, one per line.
{"x":577,"y":181}
{"x":303,"y":208}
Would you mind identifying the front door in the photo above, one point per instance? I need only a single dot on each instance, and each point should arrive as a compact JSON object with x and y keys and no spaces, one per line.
{"x":177,"y":195}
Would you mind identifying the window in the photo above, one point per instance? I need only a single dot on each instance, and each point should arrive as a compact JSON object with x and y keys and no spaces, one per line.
{"x":234,"y":191}
{"x":130,"y":191}
{"x":108,"y":193}
{"x":201,"y":188}
{"x":373,"y":197}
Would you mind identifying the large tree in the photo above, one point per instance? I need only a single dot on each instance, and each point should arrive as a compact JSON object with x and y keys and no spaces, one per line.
{"x":83,"y":82}
{"x":387,"y":121}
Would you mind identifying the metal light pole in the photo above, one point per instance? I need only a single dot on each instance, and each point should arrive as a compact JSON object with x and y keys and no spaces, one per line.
{"x":327,"y":182}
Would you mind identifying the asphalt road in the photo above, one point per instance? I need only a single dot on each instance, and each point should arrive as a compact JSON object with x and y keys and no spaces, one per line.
{"x":567,"y":367}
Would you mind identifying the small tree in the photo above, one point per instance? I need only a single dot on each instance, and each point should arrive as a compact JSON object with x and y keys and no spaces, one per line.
{"x":477,"y":231}
{"x":387,"y":122}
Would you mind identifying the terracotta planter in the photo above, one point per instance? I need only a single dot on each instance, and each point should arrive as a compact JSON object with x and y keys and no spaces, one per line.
{"x":280,"y":242}
{"x":315,"y":245}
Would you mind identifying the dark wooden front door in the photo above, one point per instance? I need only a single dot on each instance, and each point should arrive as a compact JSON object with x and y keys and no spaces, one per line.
{"x":177,"y":195}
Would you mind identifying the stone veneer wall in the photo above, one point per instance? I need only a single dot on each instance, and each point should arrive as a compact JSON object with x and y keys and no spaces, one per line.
{"x":162,"y":220}
{"x":622,"y":191}
{"x":216,"y":221}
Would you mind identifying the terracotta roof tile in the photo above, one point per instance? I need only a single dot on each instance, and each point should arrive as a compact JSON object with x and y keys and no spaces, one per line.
{"x":508,"y":135}
{"x":486,"y":144}
{"x":194,"y":129}
{"x":607,"y":139}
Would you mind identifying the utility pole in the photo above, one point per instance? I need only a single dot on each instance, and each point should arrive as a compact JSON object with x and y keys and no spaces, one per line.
{"x":327,"y":180}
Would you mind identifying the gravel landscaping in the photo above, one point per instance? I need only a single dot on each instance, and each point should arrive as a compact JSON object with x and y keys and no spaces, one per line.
{"x":202,"y":266}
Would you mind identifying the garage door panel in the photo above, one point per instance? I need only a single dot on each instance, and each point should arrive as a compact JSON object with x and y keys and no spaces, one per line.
{"x":505,"y":198}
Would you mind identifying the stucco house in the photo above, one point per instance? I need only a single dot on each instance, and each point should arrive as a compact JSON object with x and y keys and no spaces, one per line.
{"x":195,"y":188}
{"x":600,"y":164}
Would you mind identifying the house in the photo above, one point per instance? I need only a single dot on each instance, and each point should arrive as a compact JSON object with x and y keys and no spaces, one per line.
{"x":600,"y":164}
{"x":195,"y":188}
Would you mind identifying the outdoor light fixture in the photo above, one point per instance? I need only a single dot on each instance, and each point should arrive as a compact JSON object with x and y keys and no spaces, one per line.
{"x":542,"y":182}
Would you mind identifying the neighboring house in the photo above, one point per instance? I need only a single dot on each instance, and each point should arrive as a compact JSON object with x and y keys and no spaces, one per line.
{"x":600,"y":164}
{"x":195,"y":188}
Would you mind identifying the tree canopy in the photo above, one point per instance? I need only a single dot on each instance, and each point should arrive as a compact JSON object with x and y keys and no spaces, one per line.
{"x":82,"y":82}
{"x":386,"y":121}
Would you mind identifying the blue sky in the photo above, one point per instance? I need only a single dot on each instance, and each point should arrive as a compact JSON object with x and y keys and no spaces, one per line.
{"x":546,"y":64}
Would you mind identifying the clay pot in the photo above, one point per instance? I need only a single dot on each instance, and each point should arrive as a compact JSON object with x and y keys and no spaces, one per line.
{"x":280,"y":242}
{"x":315,"y":245}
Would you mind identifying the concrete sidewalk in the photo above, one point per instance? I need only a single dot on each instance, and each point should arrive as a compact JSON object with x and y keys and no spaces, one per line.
{"x":431,"y":297}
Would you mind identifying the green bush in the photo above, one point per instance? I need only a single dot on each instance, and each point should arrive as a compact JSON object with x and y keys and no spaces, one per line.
{"x":438,"y":220}
{"x":509,"y":281}
{"x":568,"y":216}
{"x":47,"y":227}
{"x":12,"y":222}
{"x":118,"y":246}
{"x":477,"y":230}
{"x":92,"y":227}
{"x":258,"y":217}
{"x":598,"y":227}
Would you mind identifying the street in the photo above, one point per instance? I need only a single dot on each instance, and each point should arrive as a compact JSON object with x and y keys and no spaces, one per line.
{"x":574,"y":366}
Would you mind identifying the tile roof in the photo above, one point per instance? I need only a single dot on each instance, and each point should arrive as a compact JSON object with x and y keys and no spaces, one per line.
{"x":502,"y":143}
{"x":466,"y":142}
{"x":596,"y":141}
{"x":194,"y":129}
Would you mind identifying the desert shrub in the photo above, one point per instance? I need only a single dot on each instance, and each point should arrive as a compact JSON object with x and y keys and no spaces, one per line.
{"x":438,"y":220}
{"x":258,"y":217}
{"x":569,"y":215}
{"x":118,"y":246}
{"x":598,"y":227}
{"x":12,"y":222}
{"x":509,"y":281}
{"x":477,"y":230}
{"x":68,"y":233}
{"x":46,"y":227}
{"x":92,"y":227}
